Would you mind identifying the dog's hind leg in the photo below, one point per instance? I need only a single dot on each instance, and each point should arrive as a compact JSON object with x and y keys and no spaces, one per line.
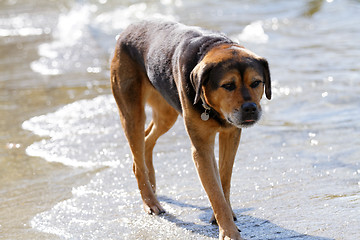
{"x":131,"y":88}
{"x":164,"y":117}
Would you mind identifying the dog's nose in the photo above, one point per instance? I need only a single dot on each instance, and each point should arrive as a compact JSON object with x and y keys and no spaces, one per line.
{"x":249,"y":107}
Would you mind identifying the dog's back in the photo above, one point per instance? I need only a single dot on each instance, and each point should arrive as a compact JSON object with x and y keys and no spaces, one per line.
{"x":160,"y":47}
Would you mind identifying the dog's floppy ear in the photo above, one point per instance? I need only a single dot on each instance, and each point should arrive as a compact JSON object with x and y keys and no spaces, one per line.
{"x":266,"y":78}
{"x":198,"y":78}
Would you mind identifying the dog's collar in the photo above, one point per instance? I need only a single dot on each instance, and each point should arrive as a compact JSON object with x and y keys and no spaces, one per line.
{"x":210,"y":112}
{"x":205,"y":115}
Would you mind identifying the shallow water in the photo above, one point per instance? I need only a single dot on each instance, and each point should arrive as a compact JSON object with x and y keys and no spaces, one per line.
{"x":65,"y":166}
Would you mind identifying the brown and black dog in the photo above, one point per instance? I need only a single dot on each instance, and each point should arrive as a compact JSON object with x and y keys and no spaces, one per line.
{"x":214,"y":83}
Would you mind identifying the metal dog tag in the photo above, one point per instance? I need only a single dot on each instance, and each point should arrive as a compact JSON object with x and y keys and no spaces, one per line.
{"x":204,"y":116}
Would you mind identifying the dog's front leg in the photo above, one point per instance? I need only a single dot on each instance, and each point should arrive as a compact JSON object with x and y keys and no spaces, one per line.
{"x":228,"y":144}
{"x":203,"y":155}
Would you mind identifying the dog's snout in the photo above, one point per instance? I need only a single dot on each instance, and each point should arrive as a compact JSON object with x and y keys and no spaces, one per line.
{"x":249,"y":107}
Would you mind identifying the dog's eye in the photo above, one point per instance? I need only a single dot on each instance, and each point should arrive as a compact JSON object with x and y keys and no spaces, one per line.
{"x":229,"y":86}
{"x":255,"y":84}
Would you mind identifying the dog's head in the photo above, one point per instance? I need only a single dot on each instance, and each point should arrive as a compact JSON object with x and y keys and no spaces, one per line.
{"x":232,"y":80}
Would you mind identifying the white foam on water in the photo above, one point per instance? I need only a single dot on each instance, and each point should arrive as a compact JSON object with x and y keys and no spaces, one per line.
{"x":72,"y":43}
{"x":254,"y":32}
{"x":22,"y":25}
{"x":21,"y":32}
{"x":83,"y":30}
{"x":68,"y":127}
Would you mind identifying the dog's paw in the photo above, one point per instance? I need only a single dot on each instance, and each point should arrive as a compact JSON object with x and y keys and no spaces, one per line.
{"x":229,"y":235}
{"x":154,"y":208}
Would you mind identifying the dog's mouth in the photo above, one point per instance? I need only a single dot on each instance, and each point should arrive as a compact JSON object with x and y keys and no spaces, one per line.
{"x":243,"y":124}
{"x":241,"y":119}
{"x":248,"y":123}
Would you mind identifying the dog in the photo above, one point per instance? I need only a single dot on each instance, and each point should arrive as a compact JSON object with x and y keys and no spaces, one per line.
{"x":212,"y":81}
